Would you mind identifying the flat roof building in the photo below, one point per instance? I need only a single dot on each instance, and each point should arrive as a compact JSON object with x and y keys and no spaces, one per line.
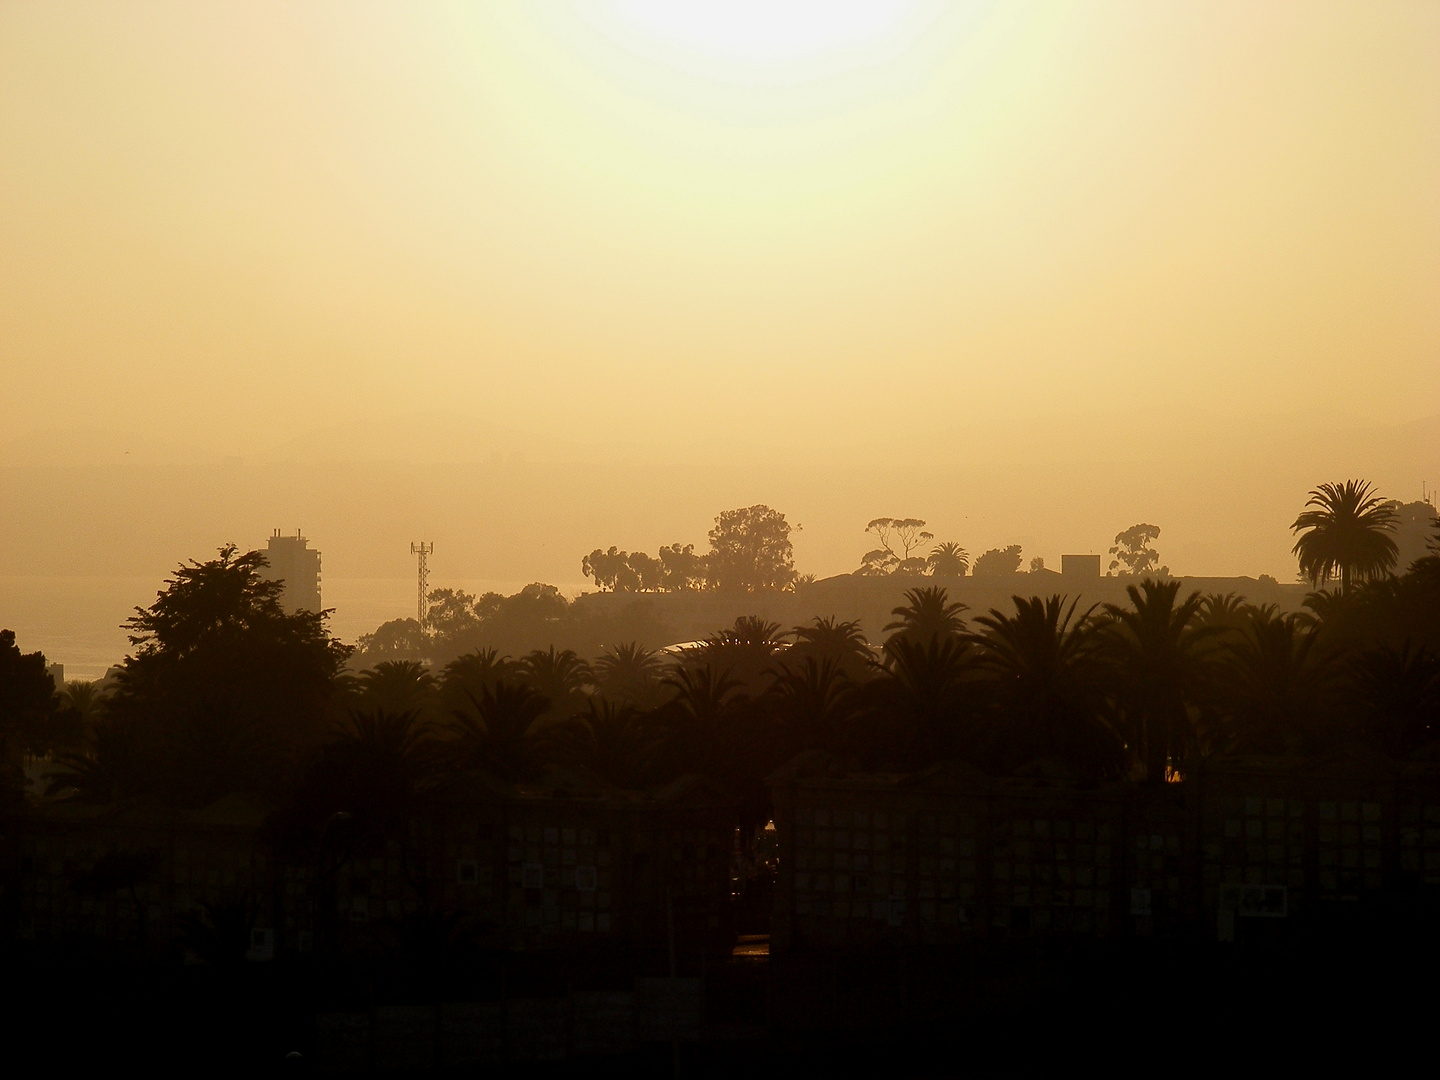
{"x":298,"y":567}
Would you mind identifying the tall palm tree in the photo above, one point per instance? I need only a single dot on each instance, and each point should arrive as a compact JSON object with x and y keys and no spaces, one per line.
{"x":1347,"y":532}
{"x":948,"y":560}
{"x":814,"y":702}
{"x":696,"y":718}
{"x":611,"y":740}
{"x":629,"y":673}
{"x":397,"y":686}
{"x":1047,"y":687}
{"x":483,"y":667}
{"x":501,"y":734}
{"x":562,"y":677}
{"x":1398,"y":693}
{"x":924,"y":708}
{"x":1278,"y":687}
{"x":1164,"y":664}
{"x":840,"y":641}
{"x":927,"y":613}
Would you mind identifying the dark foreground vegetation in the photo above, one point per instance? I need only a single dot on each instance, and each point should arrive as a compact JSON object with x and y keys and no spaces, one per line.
{"x":238,"y":835}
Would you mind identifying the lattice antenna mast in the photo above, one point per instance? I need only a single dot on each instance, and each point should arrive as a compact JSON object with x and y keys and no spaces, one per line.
{"x":423,"y":550}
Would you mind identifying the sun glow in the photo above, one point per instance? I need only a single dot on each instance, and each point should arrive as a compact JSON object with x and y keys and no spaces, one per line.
{"x":764,"y":42}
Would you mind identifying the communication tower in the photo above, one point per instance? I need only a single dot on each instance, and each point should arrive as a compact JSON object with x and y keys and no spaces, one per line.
{"x":423,"y":550}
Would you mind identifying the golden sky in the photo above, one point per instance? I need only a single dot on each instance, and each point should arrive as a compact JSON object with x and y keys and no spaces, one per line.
{"x":886,"y":231}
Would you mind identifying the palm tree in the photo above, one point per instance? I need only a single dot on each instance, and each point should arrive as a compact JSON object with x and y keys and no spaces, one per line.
{"x":611,"y":740}
{"x":1278,"y":686}
{"x":1398,"y":691}
{"x":116,"y":764}
{"x":840,"y":641}
{"x":697,"y":716}
{"x":927,"y":613}
{"x":923,"y":709}
{"x":744,"y":652}
{"x":397,"y":686}
{"x":1047,"y":687}
{"x":470,"y":672}
{"x":1347,"y":532}
{"x":1162,"y":657}
{"x":501,"y":735}
{"x":562,"y":677}
{"x":948,"y":560}
{"x":629,"y":673}
{"x":814,"y":703}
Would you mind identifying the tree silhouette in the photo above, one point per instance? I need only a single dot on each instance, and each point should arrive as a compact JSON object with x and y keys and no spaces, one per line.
{"x":629,"y":674}
{"x":814,"y":702}
{"x":501,"y":735}
{"x":1347,"y":532}
{"x":610,"y":739}
{"x":1398,"y":694}
{"x":904,"y":534}
{"x":397,"y":686}
{"x":838,"y":641}
{"x":1164,"y":663}
{"x":1047,"y":687}
{"x":1134,"y":556}
{"x":922,"y":710}
{"x":948,"y":560}
{"x":997,"y":562}
{"x":561,"y":677}
{"x":1279,"y":687}
{"x":224,"y":685}
{"x":467,"y":674}
{"x":750,"y":550}
{"x":927,"y":613}
{"x":27,"y":706}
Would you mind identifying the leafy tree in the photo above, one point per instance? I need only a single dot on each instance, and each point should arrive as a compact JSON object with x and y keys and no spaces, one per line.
{"x":27,"y":704}
{"x":608,"y":568}
{"x":1037,"y":564}
{"x":1134,"y":557}
{"x":997,"y":562}
{"x":398,"y":639}
{"x":683,"y":569}
{"x":750,"y":550}
{"x":224,"y":685}
{"x":877,"y":563}
{"x":899,"y":536}
{"x":949,"y":560}
{"x":1346,"y":533}
{"x":451,"y":613}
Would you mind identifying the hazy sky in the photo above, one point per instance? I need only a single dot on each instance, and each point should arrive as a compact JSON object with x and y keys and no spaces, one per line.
{"x":888,"y":235}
